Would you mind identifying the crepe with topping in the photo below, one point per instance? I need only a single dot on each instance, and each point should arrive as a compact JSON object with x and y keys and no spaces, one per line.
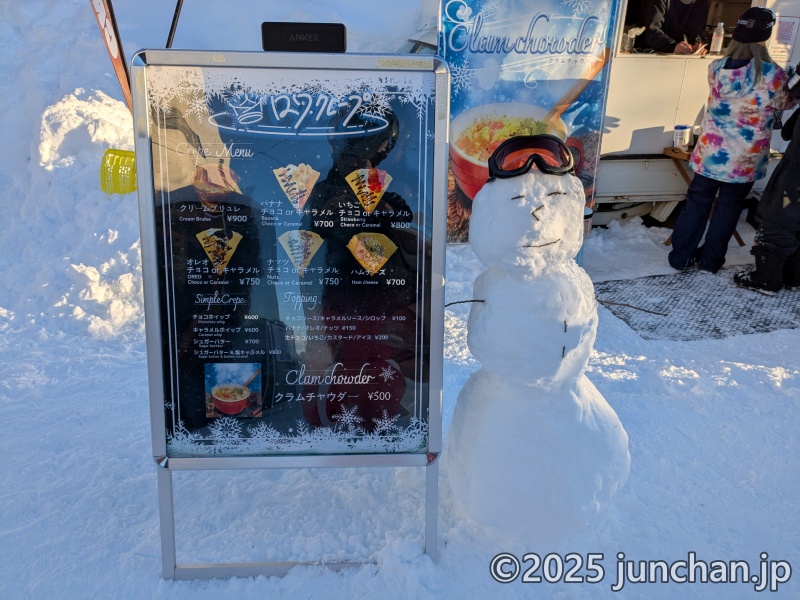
{"x":301,"y":246}
{"x":219,"y":246}
{"x":371,"y":250}
{"x":297,"y":181}
{"x":369,"y":186}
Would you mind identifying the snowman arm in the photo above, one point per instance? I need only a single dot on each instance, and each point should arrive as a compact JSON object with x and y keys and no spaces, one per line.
{"x":462,"y":302}
{"x":652,"y":312}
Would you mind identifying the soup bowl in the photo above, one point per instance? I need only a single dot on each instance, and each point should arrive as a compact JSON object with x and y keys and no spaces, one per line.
{"x":475,"y":133}
{"x":230,"y":398}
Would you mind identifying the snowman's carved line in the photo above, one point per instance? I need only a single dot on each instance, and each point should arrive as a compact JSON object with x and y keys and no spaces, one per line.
{"x":533,"y":212}
{"x":541,"y":245}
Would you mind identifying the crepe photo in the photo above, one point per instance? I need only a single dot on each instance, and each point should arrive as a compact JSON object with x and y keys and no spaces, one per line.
{"x":218,"y":247}
{"x":371,"y":250}
{"x":369,"y":186}
{"x":297,"y":181}
{"x":301,"y":246}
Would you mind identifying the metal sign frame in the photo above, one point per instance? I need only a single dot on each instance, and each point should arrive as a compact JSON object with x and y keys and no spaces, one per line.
{"x":153,"y":266}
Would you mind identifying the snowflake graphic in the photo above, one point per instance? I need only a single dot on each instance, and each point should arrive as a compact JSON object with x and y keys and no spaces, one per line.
{"x":264,"y":433}
{"x":196,"y":108}
{"x":388,"y":374}
{"x":461,"y":76}
{"x":302,"y":430}
{"x":225,"y":437}
{"x":376,"y":104}
{"x":386,"y":424}
{"x":183,"y":440}
{"x":181,"y":434}
{"x":226,"y":430}
{"x":577,"y":6}
{"x":161,"y":99}
{"x":325,"y":437}
{"x":417,"y":425}
{"x":420,"y":110}
{"x":349,"y":418}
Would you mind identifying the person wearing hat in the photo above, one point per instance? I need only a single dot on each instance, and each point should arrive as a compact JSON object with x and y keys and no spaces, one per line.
{"x":777,"y":241}
{"x":673,"y":26}
{"x":361,"y":318}
{"x":746,"y":89}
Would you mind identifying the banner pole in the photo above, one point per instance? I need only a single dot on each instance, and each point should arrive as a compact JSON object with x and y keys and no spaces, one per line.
{"x":174,"y":25}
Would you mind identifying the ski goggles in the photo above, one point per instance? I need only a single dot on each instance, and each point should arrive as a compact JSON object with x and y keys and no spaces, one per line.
{"x":518,"y":154}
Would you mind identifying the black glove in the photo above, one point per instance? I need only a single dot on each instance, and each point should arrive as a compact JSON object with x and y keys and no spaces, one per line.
{"x":793,"y":86}
{"x":788,"y":127}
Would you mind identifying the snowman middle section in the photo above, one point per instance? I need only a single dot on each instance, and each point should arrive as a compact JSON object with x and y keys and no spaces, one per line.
{"x":536,"y":330}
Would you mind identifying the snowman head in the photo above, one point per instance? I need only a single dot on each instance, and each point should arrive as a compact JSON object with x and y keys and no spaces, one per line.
{"x":528,"y":221}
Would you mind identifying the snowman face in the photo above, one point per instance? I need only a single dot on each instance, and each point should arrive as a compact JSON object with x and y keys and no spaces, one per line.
{"x":527,"y":222}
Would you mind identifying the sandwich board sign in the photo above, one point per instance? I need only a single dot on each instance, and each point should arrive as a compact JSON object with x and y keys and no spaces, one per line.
{"x":292,"y":224}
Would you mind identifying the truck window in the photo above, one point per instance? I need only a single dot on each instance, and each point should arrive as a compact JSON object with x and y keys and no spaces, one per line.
{"x":697,"y":19}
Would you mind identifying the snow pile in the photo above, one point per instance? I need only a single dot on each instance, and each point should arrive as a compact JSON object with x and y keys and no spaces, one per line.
{"x":104,"y":296}
{"x":79,"y":120}
{"x":529,"y":422}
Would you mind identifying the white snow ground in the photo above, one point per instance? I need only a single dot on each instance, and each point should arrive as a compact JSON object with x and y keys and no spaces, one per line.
{"x":713,"y":425}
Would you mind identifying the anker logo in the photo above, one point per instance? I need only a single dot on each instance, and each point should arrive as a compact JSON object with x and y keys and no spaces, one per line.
{"x":304,"y":37}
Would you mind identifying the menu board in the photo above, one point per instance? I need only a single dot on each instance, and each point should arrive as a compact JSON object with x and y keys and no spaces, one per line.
{"x":288,"y":245}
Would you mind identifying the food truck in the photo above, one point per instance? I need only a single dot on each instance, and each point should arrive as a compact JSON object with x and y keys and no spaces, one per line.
{"x":641,"y":96}
{"x":649,"y":94}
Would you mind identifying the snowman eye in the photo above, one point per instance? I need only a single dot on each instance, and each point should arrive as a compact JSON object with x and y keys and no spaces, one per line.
{"x":556,"y":193}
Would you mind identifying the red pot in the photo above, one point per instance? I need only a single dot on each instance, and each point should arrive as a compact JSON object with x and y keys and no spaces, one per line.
{"x":229,"y":398}
{"x":471,"y":173}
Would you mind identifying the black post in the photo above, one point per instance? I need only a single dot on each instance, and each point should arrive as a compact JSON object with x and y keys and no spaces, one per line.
{"x":174,"y":25}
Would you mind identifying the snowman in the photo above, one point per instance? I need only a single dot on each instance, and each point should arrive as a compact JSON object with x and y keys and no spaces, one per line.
{"x":534,"y":453}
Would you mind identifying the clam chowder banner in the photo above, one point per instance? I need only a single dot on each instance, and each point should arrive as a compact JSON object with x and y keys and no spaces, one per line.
{"x":521,"y":68}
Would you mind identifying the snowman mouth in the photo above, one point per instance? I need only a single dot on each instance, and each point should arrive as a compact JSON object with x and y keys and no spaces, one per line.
{"x":541,"y":245}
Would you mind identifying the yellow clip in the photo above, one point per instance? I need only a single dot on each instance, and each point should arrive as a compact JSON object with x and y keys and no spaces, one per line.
{"x":118,"y":172}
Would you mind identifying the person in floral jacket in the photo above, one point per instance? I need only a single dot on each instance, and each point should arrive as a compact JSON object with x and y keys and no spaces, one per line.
{"x":746,"y":90}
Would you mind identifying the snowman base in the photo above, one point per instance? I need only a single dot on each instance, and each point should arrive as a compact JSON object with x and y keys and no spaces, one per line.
{"x":535,"y":465}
